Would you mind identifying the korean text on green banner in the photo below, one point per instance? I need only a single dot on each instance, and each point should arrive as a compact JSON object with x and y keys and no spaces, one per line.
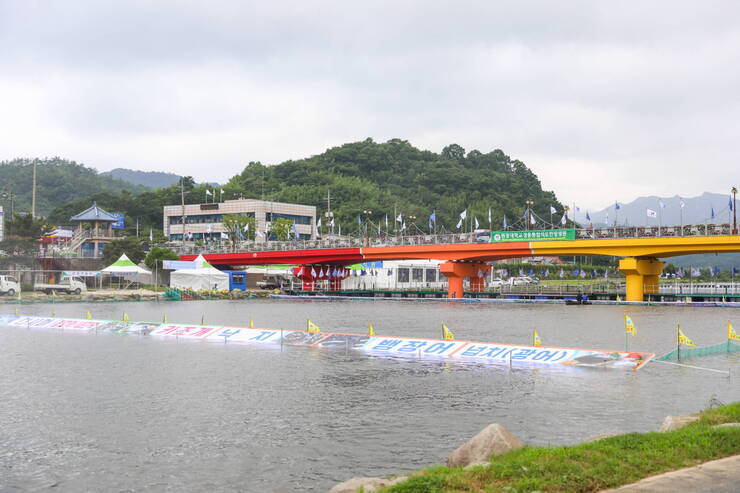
{"x":535,"y":235}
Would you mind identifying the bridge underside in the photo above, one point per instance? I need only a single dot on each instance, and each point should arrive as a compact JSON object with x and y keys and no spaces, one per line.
{"x":639,"y":262}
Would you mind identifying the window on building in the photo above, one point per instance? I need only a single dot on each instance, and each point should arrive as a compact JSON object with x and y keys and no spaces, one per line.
{"x":431,"y":275}
{"x":403,"y":274}
{"x":417,"y":275}
{"x":205,"y":218}
{"x":270,"y":216}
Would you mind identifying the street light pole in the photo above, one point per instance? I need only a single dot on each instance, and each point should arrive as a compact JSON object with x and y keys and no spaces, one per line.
{"x":530,"y":203}
{"x":734,"y":210}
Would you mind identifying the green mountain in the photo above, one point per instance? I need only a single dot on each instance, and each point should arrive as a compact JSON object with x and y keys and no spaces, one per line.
{"x":390,"y":178}
{"x":395,"y":177}
{"x":58,"y":181}
{"x":148,"y":179}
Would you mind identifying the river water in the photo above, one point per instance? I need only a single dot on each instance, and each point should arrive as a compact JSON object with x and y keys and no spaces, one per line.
{"x":111,"y":412}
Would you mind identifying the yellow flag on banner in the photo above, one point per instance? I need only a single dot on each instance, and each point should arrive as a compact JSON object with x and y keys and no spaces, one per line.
{"x":370,"y":330}
{"x":88,"y":316}
{"x":447,"y":333}
{"x":629,"y":325}
{"x":536,"y":341}
{"x":731,"y":334}
{"x":682,"y":339}
{"x":312,"y":327}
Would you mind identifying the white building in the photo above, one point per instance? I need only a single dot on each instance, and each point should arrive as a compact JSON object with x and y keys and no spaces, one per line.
{"x":205,"y":220}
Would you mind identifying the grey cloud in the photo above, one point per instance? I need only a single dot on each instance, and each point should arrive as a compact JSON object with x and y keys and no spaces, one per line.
{"x":613,"y":89}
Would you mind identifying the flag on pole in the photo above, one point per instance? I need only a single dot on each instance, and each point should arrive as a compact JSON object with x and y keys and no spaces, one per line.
{"x":564,"y":220}
{"x":661,"y":204}
{"x":588,"y":217}
{"x":504,"y":223}
{"x":464,"y":214}
{"x":536,"y":341}
{"x":459,"y":224}
{"x":312,"y":327}
{"x":318,"y":224}
{"x":447,"y":333}
{"x":532,"y":220}
{"x":730,"y":202}
{"x":489,"y":216}
{"x":711,"y":213}
{"x":151,"y":235}
{"x":208,"y":192}
{"x":731,"y":334}
{"x":476,"y":222}
{"x":370,"y":330}
{"x":224,"y":236}
{"x":617,"y":206}
{"x":359,"y":220}
{"x":651,"y":213}
{"x":629,"y":325}
{"x":399,"y":218}
{"x":386,"y":222}
{"x":552,"y":210}
{"x":682,"y":203}
{"x":682,"y":339}
{"x":433,"y":217}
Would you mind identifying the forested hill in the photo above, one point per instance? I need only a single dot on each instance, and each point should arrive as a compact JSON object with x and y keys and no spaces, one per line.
{"x":58,"y":181}
{"x":148,"y":179}
{"x":363,"y":176}
{"x":395,"y":175}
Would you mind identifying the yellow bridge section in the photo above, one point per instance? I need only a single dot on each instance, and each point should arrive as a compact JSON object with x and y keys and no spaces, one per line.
{"x":640,"y":264}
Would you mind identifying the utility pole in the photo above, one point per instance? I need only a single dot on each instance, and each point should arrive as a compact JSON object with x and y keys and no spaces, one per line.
{"x":329,"y":215}
{"x":33,"y":192}
{"x":182,"y":200}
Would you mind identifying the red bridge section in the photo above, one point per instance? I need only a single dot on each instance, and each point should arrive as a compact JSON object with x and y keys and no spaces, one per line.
{"x":461,"y":260}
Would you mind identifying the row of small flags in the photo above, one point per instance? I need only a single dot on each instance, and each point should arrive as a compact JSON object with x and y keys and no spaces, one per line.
{"x":447,"y":334}
{"x":681,"y":337}
{"x":334,"y":272}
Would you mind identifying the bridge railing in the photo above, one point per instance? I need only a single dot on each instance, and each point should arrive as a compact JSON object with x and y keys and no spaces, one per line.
{"x":226,"y":246}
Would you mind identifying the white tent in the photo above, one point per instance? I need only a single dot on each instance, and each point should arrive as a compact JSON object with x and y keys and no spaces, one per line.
{"x":202,"y":276}
{"x":124,"y":267}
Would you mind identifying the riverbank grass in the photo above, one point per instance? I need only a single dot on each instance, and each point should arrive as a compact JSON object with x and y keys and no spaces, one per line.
{"x":589,"y":467}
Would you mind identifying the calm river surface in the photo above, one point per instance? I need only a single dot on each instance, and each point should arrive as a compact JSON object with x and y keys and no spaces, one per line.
{"x":111,"y":412}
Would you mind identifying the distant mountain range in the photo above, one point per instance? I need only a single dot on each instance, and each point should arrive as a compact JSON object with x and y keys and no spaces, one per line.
{"x":696,"y":210}
{"x":148,"y":179}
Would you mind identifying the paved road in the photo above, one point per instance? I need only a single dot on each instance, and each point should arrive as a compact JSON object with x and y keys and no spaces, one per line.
{"x":717,"y":476}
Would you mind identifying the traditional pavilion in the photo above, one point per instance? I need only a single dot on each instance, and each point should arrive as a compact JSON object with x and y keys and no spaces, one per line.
{"x":94,"y":229}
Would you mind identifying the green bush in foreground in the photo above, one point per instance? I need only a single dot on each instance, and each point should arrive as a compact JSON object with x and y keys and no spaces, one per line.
{"x":589,"y":467}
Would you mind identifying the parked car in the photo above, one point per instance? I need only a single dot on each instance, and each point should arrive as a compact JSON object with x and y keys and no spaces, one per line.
{"x":9,"y":285}
{"x":523,"y":281}
{"x":66,"y":284}
{"x":496,"y":282}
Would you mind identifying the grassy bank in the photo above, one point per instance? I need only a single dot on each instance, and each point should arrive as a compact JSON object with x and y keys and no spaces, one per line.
{"x":589,"y":467}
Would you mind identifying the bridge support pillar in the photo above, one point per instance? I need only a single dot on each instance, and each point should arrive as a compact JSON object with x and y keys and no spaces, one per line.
{"x":456,"y":272}
{"x":641,"y":275}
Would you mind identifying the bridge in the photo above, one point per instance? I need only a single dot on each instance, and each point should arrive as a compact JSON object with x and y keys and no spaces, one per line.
{"x":465,"y":255}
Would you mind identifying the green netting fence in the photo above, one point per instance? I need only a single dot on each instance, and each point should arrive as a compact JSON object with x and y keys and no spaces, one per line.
{"x":691,"y":352}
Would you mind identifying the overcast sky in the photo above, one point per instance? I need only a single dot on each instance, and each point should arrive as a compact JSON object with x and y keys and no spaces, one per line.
{"x":603,"y":100}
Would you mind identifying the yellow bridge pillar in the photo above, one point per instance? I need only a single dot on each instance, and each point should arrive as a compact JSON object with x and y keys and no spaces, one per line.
{"x":642,"y":276}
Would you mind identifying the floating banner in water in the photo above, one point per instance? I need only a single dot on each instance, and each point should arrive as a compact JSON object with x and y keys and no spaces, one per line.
{"x":404,"y":347}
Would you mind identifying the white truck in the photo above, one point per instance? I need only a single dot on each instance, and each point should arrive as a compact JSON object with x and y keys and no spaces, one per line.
{"x":9,"y":285}
{"x":66,"y":284}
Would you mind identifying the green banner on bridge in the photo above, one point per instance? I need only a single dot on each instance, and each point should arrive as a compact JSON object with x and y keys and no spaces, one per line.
{"x":536,"y":235}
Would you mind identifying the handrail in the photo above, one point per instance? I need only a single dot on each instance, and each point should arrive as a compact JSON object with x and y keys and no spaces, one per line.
{"x":337,"y":242}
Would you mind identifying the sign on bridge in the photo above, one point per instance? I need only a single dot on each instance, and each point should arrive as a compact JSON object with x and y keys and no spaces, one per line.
{"x":536,"y":235}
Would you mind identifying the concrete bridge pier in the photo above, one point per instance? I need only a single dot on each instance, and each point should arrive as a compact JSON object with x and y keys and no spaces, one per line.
{"x":641,"y":275}
{"x":456,"y":272}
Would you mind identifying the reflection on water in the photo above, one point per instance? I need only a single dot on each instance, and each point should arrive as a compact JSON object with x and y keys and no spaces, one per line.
{"x":117,"y":412}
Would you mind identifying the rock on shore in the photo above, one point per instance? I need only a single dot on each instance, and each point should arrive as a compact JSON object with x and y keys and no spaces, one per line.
{"x":493,"y":440}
